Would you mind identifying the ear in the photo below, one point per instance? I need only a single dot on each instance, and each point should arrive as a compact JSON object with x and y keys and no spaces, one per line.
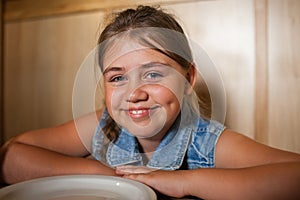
{"x":191,"y":77}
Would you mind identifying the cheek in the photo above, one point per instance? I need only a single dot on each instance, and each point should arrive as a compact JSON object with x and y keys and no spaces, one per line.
{"x":113,"y":97}
{"x":108,"y":97}
{"x":170,"y":102}
{"x":172,"y":92}
{"x":166,"y":96}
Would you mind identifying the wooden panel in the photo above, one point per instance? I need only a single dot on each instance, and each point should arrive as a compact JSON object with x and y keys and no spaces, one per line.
{"x":1,"y":77}
{"x":284,"y":74}
{"x":225,"y":29}
{"x":261,"y":71}
{"x":41,"y":61}
{"x":26,"y":9}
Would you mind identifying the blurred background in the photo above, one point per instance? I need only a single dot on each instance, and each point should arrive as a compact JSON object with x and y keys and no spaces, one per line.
{"x":254,"y":43}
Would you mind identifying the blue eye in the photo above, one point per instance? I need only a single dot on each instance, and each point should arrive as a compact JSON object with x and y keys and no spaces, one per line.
{"x":153,"y":75}
{"x":117,"y":79}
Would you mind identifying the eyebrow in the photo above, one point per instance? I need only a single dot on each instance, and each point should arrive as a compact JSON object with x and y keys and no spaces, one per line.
{"x":153,"y":64}
{"x":146,"y":65}
{"x":113,"y":69}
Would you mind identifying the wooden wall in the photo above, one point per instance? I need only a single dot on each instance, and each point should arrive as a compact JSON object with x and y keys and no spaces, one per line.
{"x":41,"y":60}
{"x":284,"y":74}
{"x":1,"y":76}
{"x":254,"y":43}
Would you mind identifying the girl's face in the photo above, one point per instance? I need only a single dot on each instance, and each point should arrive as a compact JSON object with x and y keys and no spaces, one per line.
{"x":143,"y":91}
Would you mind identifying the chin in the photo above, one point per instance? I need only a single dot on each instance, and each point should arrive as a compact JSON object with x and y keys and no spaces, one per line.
{"x":146,"y":134}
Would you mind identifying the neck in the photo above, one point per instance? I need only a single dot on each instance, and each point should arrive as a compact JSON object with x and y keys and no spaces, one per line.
{"x":147,"y":147}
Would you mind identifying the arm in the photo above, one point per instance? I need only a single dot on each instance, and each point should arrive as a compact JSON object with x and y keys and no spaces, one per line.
{"x":53,"y":151}
{"x":276,"y":181}
{"x":245,"y":170}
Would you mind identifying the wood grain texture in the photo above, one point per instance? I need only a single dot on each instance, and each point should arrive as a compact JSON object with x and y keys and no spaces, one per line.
{"x":261,"y":71}
{"x":28,"y":9}
{"x":41,"y":61}
{"x":1,"y":76}
{"x":284,"y":74}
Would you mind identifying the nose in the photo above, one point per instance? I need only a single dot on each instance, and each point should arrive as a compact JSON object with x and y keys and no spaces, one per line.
{"x":137,"y":95}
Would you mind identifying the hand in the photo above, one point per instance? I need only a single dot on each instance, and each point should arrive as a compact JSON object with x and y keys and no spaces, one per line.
{"x":170,"y":183}
{"x":130,"y":169}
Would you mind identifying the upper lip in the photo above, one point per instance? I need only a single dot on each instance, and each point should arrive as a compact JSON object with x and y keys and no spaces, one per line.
{"x":141,"y":108}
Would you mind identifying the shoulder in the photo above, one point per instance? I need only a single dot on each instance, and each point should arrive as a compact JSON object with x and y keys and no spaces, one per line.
{"x":207,"y":130}
{"x":201,"y":151}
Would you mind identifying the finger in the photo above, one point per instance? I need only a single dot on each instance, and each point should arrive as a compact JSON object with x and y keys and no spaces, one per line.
{"x":137,"y":177}
{"x":123,"y":171}
{"x":127,"y":169}
{"x":132,"y":170}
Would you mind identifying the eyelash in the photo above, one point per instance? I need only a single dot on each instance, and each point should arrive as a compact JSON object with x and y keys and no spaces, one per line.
{"x":149,"y":76}
{"x":155,"y":74}
{"x":114,"y":79}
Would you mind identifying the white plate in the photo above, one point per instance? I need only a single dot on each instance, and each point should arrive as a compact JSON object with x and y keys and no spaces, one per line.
{"x":78,"y":187}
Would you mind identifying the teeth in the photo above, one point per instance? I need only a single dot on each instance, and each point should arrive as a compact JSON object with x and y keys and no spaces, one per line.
{"x":137,"y":112}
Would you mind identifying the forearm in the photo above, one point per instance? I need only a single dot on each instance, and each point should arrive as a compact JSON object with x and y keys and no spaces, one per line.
{"x":22,"y":162}
{"x":276,"y":181}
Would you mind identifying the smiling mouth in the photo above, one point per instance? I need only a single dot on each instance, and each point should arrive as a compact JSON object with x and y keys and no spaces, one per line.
{"x":138,"y":113}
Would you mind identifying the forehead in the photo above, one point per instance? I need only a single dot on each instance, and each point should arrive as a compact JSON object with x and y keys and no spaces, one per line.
{"x":133,"y":55}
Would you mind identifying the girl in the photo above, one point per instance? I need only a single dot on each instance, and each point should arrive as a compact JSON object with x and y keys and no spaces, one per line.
{"x":154,"y":128}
